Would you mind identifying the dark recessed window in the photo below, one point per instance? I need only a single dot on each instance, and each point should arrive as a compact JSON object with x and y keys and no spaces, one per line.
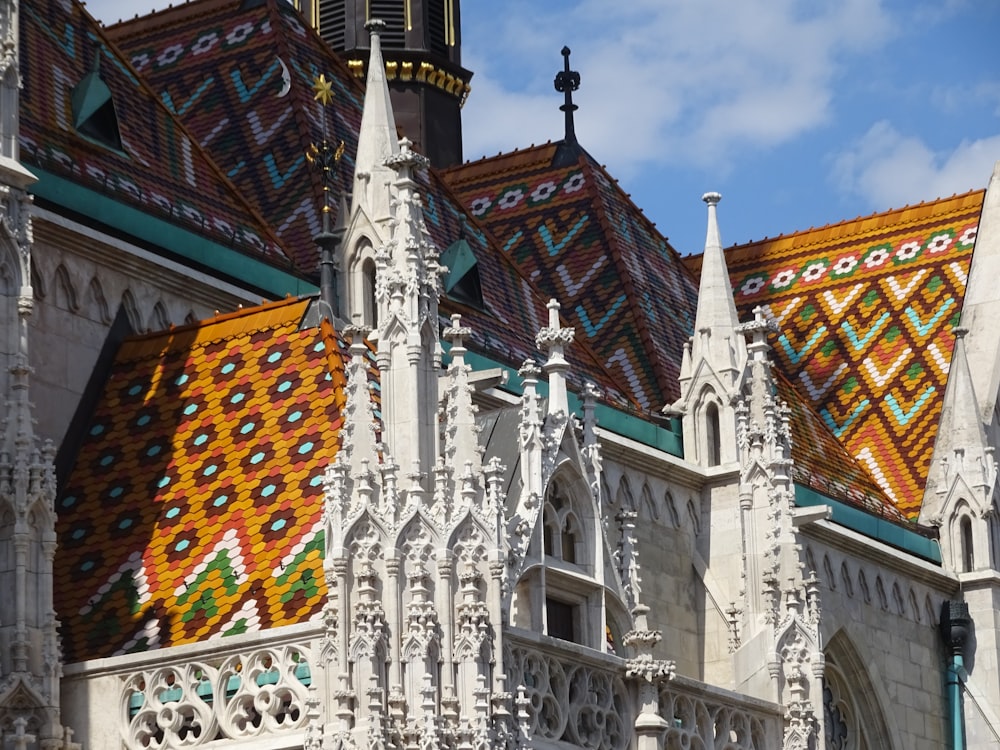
{"x":561,"y":620}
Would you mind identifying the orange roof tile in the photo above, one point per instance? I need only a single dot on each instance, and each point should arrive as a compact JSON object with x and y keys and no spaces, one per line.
{"x":194,"y":507}
{"x":865,"y":308}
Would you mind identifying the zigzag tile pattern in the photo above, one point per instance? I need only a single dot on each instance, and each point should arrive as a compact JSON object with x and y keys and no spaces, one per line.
{"x":175,"y":181}
{"x":194,"y":507}
{"x":217,"y":94}
{"x":866,"y":309}
{"x":240,"y":79}
{"x":572,"y":231}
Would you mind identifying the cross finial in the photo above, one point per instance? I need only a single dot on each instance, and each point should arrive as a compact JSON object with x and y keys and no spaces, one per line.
{"x":567,"y":81}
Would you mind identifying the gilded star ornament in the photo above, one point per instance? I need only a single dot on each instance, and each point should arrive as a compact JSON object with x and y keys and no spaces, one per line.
{"x":323,"y":89}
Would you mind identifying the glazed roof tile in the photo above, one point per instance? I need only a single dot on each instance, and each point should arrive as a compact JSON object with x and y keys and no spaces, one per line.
{"x":217,"y":94}
{"x":194,"y":507}
{"x":160,"y":169}
{"x":866,"y":309}
{"x":574,"y":233}
{"x":241,"y":81}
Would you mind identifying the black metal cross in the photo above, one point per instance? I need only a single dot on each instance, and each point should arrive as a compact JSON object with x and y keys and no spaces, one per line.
{"x":568,"y":81}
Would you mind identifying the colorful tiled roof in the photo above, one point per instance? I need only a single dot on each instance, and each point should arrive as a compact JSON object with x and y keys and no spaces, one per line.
{"x":218,"y":94}
{"x":866,"y":309}
{"x":240,"y":78}
{"x":159,"y":169}
{"x":573,"y":232}
{"x":194,"y":507}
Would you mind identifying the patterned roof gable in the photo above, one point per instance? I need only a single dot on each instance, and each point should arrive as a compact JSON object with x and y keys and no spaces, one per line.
{"x":241,"y":81}
{"x":158,"y":170}
{"x":222,"y":68}
{"x":194,"y":507}
{"x":578,"y":237}
{"x":866,"y":309}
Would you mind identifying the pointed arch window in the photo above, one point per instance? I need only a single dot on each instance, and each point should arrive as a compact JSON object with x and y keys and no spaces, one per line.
{"x":713,"y":440}
{"x":370,"y":309}
{"x":965,"y":544}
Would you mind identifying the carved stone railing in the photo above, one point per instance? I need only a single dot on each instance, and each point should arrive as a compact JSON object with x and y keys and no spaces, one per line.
{"x":699,"y":716}
{"x":576,"y":698}
{"x":572,"y":700}
{"x":186,"y":704}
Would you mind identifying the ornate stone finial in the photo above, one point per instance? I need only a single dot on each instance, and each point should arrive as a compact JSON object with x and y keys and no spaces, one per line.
{"x":712,"y":198}
{"x":567,"y":81}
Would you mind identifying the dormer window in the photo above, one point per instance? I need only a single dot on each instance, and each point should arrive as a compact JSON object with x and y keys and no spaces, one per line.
{"x":561,"y":533}
{"x":94,"y":114}
{"x":462,"y":283}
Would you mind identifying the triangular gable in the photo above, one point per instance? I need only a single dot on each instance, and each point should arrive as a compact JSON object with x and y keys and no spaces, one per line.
{"x":197,"y":493}
{"x":865,"y":309}
{"x":158,"y":170}
{"x":572,"y":231}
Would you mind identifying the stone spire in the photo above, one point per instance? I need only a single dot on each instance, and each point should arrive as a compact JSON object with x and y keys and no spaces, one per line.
{"x":30,"y":662}
{"x":714,"y":359}
{"x":377,"y":140}
{"x":409,"y":351}
{"x":981,"y":308}
{"x":715,"y":337}
{"x":962,"y":469}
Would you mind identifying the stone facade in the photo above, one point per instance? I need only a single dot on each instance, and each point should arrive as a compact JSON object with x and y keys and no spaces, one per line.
{"x":597,"y":592}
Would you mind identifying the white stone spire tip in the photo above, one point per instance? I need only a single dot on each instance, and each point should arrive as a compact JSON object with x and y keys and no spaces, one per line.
{"x":712,"y":199}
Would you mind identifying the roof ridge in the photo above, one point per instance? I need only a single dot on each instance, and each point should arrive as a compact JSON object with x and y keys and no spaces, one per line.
{"x":155,"y":19}
{"x":473,"y":170}
{"x":844,"y":223}
{"x":217,"y":319}
{"x":615,"y":248}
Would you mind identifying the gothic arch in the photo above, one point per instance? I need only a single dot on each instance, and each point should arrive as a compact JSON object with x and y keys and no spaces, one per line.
{"x":159,"y":319}
{"x":708,"y":427}
{"x":361,"y":282}
{"x":132,"y":312}
{"x":647,"y":505}
{"x":866,"y":593}
{"x":851,"y":695}
{"x":67,"y":297}
{"x":845,"y":579}
{"x":98,"y":302}
{"x":671,"y":505}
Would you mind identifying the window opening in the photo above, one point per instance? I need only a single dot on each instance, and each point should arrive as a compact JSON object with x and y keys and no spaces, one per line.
{"x":560,"y":616}
{"x":94,"y":114}
{"x":968,"y":559}
{"x":712,"y":438}
{"x":368,"y":292}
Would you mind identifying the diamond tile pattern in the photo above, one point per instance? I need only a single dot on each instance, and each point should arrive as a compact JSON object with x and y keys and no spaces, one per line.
{"x":866,"y":309}
{"x":573,"y":232}
{"x":194,"y":507}
{"x":161,"y":170}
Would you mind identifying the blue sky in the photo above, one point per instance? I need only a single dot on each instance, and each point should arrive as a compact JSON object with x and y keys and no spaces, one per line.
{"x":801,"y":113}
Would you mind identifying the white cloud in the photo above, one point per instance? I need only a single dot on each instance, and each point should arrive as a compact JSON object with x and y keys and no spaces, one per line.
{"x":887,"y":168}
{"x":667,"y":80}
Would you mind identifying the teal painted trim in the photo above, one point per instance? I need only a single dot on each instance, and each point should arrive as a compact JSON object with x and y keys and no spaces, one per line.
{"x":956,"y":710}
{"x":609,"y":418}
{"x":858,"y":520}
{"x":183,"y":243}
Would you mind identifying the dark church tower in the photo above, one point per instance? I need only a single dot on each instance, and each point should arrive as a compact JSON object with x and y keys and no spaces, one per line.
{"x":422,"y":48}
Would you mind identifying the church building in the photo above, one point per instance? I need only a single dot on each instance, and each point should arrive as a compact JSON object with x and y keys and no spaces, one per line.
{"x":318,"y":436}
